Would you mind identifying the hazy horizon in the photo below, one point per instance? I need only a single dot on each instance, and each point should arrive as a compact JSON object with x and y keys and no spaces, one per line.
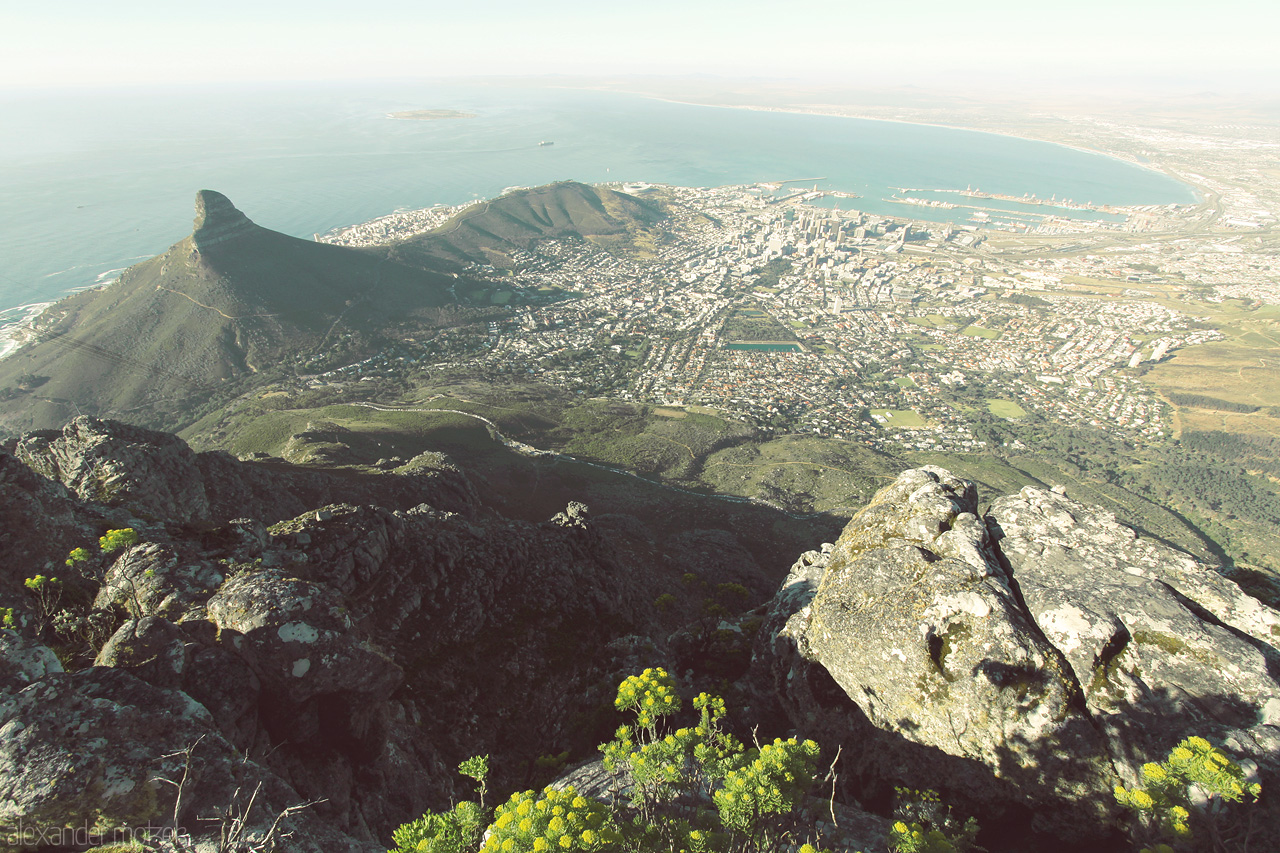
{"x":982,"y":47}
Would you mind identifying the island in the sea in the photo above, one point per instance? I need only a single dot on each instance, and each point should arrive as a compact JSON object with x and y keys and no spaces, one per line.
{"x":430,"y":115}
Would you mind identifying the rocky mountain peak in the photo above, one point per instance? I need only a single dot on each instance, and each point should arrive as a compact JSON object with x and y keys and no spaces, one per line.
{"x":217,"y":220}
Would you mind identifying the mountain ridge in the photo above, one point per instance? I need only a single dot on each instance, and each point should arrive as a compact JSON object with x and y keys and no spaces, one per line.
{"x":215,"y":308}
{"x":490,"y":231}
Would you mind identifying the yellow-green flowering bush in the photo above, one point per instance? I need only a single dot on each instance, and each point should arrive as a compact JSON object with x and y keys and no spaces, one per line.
{"x":651,"y":694}
{"x":774,"y":783}
{"x":47,"y":592}
{"x":552,"y":821}
{"x":455,"y":831}
{"x":715,"y":751}
{"x":924,"y":824}
{"x":693,"y":789}
{"x":917,"y":838}
{"x":660,"y":769}
{"x":751,"y":790}
{"x":1194,"y":770}
{"x":117,"y":539}
{"x":477,"y":768}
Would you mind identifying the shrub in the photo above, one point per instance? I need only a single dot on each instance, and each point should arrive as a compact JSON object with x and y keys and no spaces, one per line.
{"x":651,"y":694}
{"x":694,"y":789}
{"x":925,"y":825}
{"x":47,"y":592}
{"x":553,"y":821}
{"x":117,"y":539}
{"x":455,"y":831}
{"x":919,"y":838}
{"x":774,"y":783}
{"x":1188,"y":797}
{"x":673,"y":777}
{"x":477,"y":768}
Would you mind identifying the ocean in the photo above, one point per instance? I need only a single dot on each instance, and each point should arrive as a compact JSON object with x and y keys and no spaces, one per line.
{"x":93,"y":182}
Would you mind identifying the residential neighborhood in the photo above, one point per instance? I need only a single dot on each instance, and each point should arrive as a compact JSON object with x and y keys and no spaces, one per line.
{"x":759,"y":302}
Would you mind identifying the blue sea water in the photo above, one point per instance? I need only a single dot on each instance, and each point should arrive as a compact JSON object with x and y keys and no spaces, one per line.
{"x":93,"y":182}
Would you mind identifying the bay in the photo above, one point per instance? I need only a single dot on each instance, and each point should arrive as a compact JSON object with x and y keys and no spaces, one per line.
{"x":91,"y":182}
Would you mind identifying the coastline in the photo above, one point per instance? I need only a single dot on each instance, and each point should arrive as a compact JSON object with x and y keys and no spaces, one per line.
{"x":1184,"y":188}
{"x":840,"y":112}
{"x":11,"y":331}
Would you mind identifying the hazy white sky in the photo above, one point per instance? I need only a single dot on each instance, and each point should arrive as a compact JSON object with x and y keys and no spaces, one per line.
{"x":1222,"y":44}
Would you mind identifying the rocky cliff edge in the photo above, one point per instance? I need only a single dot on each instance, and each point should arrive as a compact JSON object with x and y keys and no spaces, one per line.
{"x":287,"y":639}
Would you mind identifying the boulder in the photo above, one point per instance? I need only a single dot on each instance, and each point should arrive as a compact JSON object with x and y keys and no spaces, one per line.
{"x":84,"y":748}
{"x":346,"y":547}
{"x":152,"y":648}
{"x":152,"y":474}
{"x":152,"y":579}
{"x":228,"y":689}
{"x":296,"y":636}
{"x":915,"y":620}
{"x":1022,"y":664}
{"x":1162,"y":646}
{"x":40,"y":521}
{"x":87,"y":753}
{"x":23,"y":661}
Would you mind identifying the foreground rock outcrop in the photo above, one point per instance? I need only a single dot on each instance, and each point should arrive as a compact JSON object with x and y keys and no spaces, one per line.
{"x":1161,"y":646}
{"x":329,"y":648}
{"x":1024,"y":662}
{"x":155,"y":476}
{"x":347,"y":657}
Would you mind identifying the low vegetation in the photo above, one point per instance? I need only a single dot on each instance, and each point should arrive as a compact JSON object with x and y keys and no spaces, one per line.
{"x":693,"y":788}
{"x":1195,"y":800}
{"x":63,"y":607}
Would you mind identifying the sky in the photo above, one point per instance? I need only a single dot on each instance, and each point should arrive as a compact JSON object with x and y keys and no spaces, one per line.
{"x":987,"y":43}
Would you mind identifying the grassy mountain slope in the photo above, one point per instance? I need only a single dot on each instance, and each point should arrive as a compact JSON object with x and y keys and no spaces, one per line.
{"x":226,"y":303}
{"x":488,"y":232}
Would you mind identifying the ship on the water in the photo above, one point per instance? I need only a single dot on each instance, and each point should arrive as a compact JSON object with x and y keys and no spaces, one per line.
{"x":546,"y":142}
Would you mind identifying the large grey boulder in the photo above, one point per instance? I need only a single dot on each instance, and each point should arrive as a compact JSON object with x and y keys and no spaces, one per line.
{"x":165,"y":655}
{"x":151,"y":579}
{"x":296,"y":636}
{"x":1023,"y":663}
{"x":1162,"y":646}
{"x":84,"y":748}
{"x":152,"y":648}
{"x":23,"y":661}
{"x":916,"y":622}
